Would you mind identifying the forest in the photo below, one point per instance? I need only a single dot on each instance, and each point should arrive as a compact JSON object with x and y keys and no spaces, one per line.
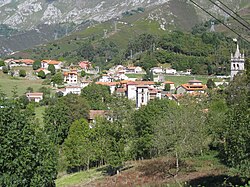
{"x":33,"y":153}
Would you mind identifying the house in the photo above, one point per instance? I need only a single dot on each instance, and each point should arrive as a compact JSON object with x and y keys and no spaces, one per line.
{"x":121,"y":92}
{"x":112,"y":85}
{"x":132,"y":87}
{"x":72,"y":90}
{"x":142,"y":95}
{"x":93,"y":114}
{"x":170,"y":71}
{"x":106,"y":78}
{"x":36,"y":97}
{"x":45,"y":64}
{"x":85,"y":83}
{"x":42,"y":69}
{"x":134,"y":70}
{"x":157,"y":70}
{"x":191,"y":87}
{"x":70,"y":77}
{"x":85,"y":65}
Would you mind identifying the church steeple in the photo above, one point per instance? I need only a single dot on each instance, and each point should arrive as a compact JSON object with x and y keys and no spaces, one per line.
{"x":237,"y":62}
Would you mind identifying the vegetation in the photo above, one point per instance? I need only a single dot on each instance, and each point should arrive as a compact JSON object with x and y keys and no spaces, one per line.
{"x":22,"y":73}
{"x":27,"y":156}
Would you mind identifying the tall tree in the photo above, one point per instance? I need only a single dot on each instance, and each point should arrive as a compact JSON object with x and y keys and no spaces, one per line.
{"x":27,"y":157}
{"x":78,"y":147}
{"x":236,"y":135}
{"x":97,"y":95}
{"x":52,"y":69}
{"x":62,"y":114}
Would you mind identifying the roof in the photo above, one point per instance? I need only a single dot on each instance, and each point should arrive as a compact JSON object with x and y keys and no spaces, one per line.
{"x":108,"y":83}
{"x":27,"y":61}
{"x":189,"y":87}
{"x":35,"y":94}
{"x":54,"y":62}
{"x":140,"y":83}
{"x":194,"y":81}
{"x":70,"y":72}
{"x":95,"y":113}
{"x":120,"y":90}
{"x":168,"y":82}
{"x":71,"y":86}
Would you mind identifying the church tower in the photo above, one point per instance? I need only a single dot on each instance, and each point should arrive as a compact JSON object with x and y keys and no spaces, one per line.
{"x":237,"y":62}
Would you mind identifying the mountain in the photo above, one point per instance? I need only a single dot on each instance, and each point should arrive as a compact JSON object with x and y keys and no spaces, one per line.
{"x":39,"y":21}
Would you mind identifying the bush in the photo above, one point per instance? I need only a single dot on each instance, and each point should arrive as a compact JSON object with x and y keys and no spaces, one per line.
{"x":22,"y":73}
{"x":5,"y":69}
{"x":2,"y":63}
{"x":41,"y":74}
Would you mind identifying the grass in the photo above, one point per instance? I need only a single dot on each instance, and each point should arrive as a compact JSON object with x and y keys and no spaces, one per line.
{"x":83,"y":177}
{"x":178,"y":80}
{"x":39,"y":114}
{"x":8,"y":84}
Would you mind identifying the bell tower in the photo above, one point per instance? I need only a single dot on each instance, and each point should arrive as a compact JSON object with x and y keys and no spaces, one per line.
{"x":237,"y":62}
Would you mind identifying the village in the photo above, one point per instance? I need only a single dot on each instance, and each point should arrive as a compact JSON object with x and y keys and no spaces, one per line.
{"x":136,"y":89}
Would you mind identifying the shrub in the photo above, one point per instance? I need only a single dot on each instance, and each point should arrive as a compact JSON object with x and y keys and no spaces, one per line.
{"x":5,"y":69}
{"x":22,"y":73}
{"x":41,"y":74}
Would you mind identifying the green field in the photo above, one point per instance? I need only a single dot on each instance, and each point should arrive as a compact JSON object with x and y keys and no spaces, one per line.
{"x":8,"y":84}
{"x":79,"y":178}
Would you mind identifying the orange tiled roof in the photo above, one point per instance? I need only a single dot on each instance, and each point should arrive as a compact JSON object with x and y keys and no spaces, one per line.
{"x":189,"y":87}
{"x":140,"y":83}
{"x":27,"y":61}
{"x":54,"y":62}
{"x":108,"y":83}
{"x":70,"y":73}
{"x":168,"y":82}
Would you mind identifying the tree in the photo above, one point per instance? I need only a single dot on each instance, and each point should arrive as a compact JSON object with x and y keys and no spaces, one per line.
{"x":143,"y":122}
{"x":235,"y":148}
{"x":52,"y":69}
{"x":41,"y":74}
{"x":78,"y":146}
{"x":167,"y":87}
{"x":181,"y":131}
{"x":22,"y":73}
{"x":27,"y":156}
{"x":36,"y":65}
{"x":2,"y":63}
{"x":97,"y":95}
{"x":57,"y":78}
{"x":62,"y":114}
{"x":5,"y":69}
{"x":83,"y":73}
{"x":210,"y":84}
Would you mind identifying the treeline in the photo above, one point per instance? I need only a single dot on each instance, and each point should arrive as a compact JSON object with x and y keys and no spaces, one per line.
{"x":203,"y":52}
{"x":33,"y":153}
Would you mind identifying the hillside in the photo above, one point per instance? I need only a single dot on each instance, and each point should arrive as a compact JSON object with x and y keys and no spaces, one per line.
{"x":38,"y":22}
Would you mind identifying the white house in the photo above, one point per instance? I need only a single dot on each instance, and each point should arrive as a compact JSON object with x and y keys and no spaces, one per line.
{"x":37,"y":97}
{"x":106,"y":78}
{"x":142,"y":95}
{"x":131,"y":88}
{"x":157,"y":70}
{"x":112,"y":85}
{"x":45,"y":64}
{"x":172,"y":86}
{"x":134,"y":70}
{"x":71,"y":77}
{"x":170,"y":71}
{"x":72,"y":90}
{"x":83,"y":84}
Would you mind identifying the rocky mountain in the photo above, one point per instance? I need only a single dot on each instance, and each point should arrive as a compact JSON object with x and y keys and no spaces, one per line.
{"x":32,"y":17}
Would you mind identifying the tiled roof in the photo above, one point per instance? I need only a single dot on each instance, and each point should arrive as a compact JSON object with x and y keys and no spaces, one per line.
{"x":108,"y":83}
{"x":95,"y":113}
{"x":189,"y":87}
{"x":168,"y":82}
{"x":54,"y":62}
{"x":140,"y":83}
